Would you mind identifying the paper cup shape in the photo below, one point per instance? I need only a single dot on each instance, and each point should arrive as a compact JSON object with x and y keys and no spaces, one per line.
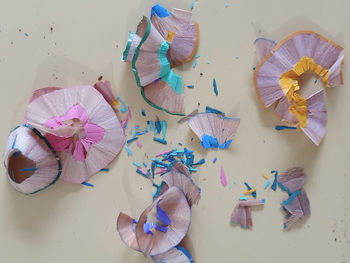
{"x":183,"y":181}
{"x":242,"y":214}
{"x":177,"y":29}
{"x":126,"y":229}
{"x":215,"y":131}
{"x":31,"y":162}
{"x":277,"y":75}
{"x":176,"y":255}
{"x":81,"y":126}
{"x":174,"y":214}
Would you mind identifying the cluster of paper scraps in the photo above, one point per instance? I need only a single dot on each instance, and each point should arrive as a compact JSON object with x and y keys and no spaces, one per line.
{"x":163,"y":224}
{"x":166,"y":40}
{"x":296,"y":205}
{"x":276,"y":78}
{"x":71,"y":133}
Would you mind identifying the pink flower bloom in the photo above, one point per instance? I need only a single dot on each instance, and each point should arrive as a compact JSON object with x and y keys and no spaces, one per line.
{"x":83,"y":133}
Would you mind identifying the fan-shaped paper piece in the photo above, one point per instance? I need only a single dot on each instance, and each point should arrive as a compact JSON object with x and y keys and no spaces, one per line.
{"x":176,"y":255}
{"x":160,"y":236}
{"x":214,"y":130}
{"x":39,"y":92}
{"x":177,"y":29}
{"x":31,"y":162}
{"x":297,"y":204}
{"x":147,"y":52}
{"x":242,"y":214}
{"x":126,"y":227}
{"x":183,"y":180}
{"x":276,"y":78}
{"x":81,"y":126}
{"x":316,"y":115}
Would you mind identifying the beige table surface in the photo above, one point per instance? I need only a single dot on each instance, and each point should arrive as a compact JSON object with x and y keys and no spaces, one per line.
{"x":73,"y":223}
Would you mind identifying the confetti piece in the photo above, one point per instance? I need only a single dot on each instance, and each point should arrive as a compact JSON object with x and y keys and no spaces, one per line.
{"x":283,"y":127}
{"x":195,"y":64}
{"x":197,"y":56}
{"x":131,"y":140}
{"x":163,"y":153}
{"x":105,"y":170}
{"x":139,"y":145}
{"x":87,"y":184}
{"x":125,"y":122}
{"x":159,"y":140}
{"x":28,"y":169}
{"x":140,"y":171}
{"x":215,"y":87}
{"x":26,"y":34}
{"x":163,"y":124}
{"x":254,"y":67}
{"x":151,"y":125}
{"x":214,"y":160}
{"x":274,"y":184}
{"x":223,"y":177}
{"x":192,"y":5}
{"x":212,"y":110}
{"x":128,"y":150}
{"x":179,"y":143}
{"x":267,"y":184}
{"x":190,"y":86}
{"x":136,"y":164}
{"x":265,"y":176}
{"x":226,"y":6}
{"x":144,"y":164}
{"x":143,"y":112}
{"x":243,"y":198}
{"x":250,"y":191}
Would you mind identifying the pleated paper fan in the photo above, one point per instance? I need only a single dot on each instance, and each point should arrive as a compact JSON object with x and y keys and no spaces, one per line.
{"x":214,"y":130}
{"x":173,"y":213}
{"x":81,"y":126}
{"x":176,"y":255}
{"x":31,"y":162}
{"x":183,"y":181}
{"x":177,"y":29}
{"x":278,"y":73}
{"x":126,"y":229}
{"x":242,"y":214}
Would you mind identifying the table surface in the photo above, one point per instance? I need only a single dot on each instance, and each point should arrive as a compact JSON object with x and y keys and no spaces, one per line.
{"x":73,"y":223}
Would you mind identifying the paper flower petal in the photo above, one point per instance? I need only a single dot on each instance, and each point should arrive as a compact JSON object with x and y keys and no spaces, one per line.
{"x":31,"y":163}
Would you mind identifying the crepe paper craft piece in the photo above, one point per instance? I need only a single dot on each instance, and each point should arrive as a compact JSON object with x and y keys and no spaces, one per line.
{"x":215,"y":131}
{"x":283,"y":127}
{"x":190,"y":86}
{"x":155,"y":240}
{"x":147,"y":52}
{"x":214,"y":160}
{"x":242,"y":214}
{"x":223,"y":177}
{"x":87,"y":184}
{"x":30,"y":160}
{"x":81,"y":126}
{"x":181,"y":33}
{"x":105,"y":89}
{"x":274,"y":184}
{"x":189,"y":116}
{"x":215,"y":87}
{"x":276,"y":79}
{"x":297,"y":204}
{"x":176,"y":255}
{"x":250,"y":188}
{"x":180,"y":177}
{"x":268,"y":182}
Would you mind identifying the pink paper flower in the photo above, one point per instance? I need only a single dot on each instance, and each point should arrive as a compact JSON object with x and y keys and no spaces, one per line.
{"x":83,"y":132}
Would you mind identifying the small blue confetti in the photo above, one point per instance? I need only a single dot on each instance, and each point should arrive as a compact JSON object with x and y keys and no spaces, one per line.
{"x":87,"y":184}
{"x":215,"y":87}
{"x":195,"y":64}
{"x":190,"y":86}
{"x":283,"y":127}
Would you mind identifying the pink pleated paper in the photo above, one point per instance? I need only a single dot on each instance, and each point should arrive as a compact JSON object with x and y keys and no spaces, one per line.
{"x":242,"y":214}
